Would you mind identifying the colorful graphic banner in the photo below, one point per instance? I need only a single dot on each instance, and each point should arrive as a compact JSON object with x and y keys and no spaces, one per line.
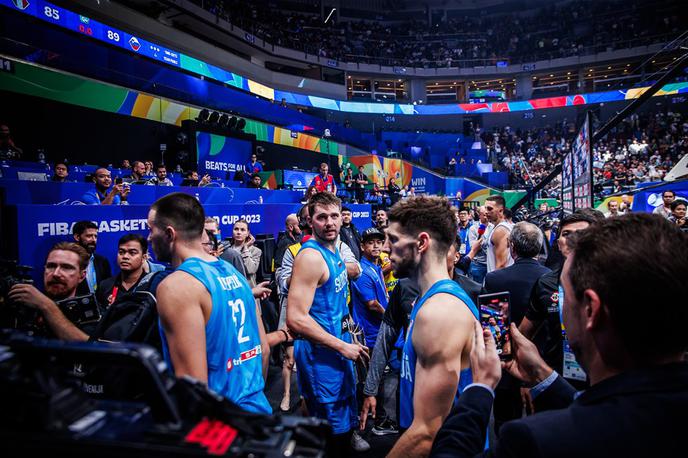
{"x":66,"y":88}
{"x":104,"y":33}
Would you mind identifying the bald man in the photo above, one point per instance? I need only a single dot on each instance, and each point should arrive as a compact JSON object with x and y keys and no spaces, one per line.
{"x":291,"y":236}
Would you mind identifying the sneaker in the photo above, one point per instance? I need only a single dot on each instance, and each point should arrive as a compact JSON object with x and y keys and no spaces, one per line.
{"x":358,"y":443}
{"x":385,"y":427}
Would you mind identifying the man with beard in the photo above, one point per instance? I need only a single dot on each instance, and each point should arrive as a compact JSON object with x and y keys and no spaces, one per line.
{"x":131,"y":254}
{"x":381,"y":220}
{"x":86,"y":235}
{"x":497,"y":241}
{"x":435,"y":364}
{"x":317,"y":310}
{"x":65,"y":267}
{"x":207,"y":311}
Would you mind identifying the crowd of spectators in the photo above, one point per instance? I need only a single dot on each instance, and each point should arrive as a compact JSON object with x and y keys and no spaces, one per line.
{"x":554,"y":31}
{"x":642,"y":148}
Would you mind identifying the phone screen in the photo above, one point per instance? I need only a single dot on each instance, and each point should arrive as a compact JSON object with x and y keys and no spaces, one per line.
{"x":494,"y":315}
{"x":118,"y":180}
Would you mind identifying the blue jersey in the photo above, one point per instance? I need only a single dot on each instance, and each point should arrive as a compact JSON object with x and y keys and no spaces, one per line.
{"x":408,"y":361}
{"x":369,"y":286}
{"x":325,"y":375}
{"x":235,"y":368}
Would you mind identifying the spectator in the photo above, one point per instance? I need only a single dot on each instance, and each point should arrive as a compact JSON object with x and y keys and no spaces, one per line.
{"x":100,"y":195}
{"x":85,"y":234}
{"x":292,"y":235}
{"x":149,"y":168}
{"x":478,"y":267}
{"x":369,"y":295}
{"x":160,"y":178}
{"x":349,"y":233}
{"x":243,"y":243}
{"x":231,"y":256}
{"x":637,"y":369}
{"x":253,"y":167}
{"x":381,"y":220}
{"x":350,"y":183}
{"x":678,"y":214}
{"x":613,"y":208}
{"x":393,"y":190}
{"x":256,"y":182}
{"x":324,"y":181}
{"x":132,"y":251}
{"x":65,"y":269}
{"x":525,"y":243}
{"x":138,"y":173}
{"x":8,"y":150}
{"x":61,"y":173}
{"x":543,"y":316}
{"x":464,"y":228}
{"x":125,"y":164}
{"x":664,"y":210}
{"x":361,"y":182}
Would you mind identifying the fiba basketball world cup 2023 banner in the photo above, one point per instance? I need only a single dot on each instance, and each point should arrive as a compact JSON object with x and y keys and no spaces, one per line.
{"x":219,"y":156}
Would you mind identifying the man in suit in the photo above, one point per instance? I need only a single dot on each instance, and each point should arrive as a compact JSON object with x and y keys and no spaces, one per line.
{"x":616,"y":326}
{"x":525,"y":243}
{"x":85,"y":233}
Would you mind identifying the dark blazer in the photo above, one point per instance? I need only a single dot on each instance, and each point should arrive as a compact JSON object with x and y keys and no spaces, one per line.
{"x":638,"y":413}
{"x":518,"y":279}
{"x":102,"y":268}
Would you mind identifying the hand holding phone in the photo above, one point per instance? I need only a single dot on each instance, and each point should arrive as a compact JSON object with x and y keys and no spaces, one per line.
{"x":495,"y":316}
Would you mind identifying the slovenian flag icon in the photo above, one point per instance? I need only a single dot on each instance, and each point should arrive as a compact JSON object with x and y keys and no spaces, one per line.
{"x":21,"y":4}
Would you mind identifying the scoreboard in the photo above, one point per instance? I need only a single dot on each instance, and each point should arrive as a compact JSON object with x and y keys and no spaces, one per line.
{"x":576,"y":172}
{"x":62,"y":17}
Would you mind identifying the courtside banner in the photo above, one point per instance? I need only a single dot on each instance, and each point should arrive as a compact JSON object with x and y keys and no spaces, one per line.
{"x":39,"y":227}
{"x":19,"y":192}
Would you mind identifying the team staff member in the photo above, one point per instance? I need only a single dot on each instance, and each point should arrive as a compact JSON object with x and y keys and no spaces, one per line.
{"x":317,"y":311}
{"x":324,"y":182}
{"x":131,"y":254}
{"x":207,"y":311}
{"x":434,"y":365}
{"x":85,"y":233}
{"x":369,"y":293}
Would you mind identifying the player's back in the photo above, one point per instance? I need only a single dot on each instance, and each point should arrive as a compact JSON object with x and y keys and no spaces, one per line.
{"x":232,"y":339}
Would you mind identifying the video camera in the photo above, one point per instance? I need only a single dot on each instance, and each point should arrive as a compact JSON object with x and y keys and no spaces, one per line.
{"x":81,"y":310}
{"x":12,"y":314}
{"x":45,"y":409}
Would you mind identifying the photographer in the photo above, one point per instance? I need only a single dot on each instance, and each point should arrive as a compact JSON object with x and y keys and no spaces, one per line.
{"x":65,"y":268}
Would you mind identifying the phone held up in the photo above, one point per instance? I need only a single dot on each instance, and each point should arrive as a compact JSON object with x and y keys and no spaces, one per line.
{"x":494,"y":316}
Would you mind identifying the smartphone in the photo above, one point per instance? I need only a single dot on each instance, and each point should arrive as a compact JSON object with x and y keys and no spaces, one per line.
{"x":118,"y":180}
{"x":494,"y":315}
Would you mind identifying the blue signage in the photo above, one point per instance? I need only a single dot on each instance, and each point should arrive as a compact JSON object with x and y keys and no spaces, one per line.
{"x":218,"y":154}
{"x":40,"y":226}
